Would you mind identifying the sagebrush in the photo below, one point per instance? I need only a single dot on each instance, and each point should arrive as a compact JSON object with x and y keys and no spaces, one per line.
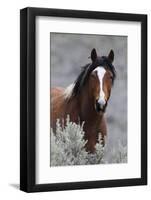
{"x":68,"y":147}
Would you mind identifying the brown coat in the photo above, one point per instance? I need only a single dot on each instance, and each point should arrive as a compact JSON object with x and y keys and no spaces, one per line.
{"x":80,"y":108}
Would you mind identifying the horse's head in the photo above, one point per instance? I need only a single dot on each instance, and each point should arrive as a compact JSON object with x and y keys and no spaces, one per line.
{"x":101,"y":79}
{"x":98,"y":77}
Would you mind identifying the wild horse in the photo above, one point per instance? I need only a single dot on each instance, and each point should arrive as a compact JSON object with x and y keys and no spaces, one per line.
{"x":86,"y":99}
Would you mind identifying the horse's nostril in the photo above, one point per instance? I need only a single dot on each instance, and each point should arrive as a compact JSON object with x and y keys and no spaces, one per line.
{"x":98,"y":108}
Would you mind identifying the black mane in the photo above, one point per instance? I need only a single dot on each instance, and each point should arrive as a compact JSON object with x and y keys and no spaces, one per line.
{"x":86,"y":71}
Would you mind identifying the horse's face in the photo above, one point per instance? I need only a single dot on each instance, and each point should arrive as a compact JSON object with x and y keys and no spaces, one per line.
{"x":101,"y":80}
{"x":95,"y":81}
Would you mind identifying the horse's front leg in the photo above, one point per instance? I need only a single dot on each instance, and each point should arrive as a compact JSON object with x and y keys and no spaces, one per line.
{"x":103,"y":130}
{"x":90,"y":145}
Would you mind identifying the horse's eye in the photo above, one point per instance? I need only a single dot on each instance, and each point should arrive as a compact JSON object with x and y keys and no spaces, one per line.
{"x":93,"y":76}
{"x":111,"y":77}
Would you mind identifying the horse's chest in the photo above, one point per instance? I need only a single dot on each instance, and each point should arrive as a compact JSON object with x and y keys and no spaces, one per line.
{"x":92,"y":127}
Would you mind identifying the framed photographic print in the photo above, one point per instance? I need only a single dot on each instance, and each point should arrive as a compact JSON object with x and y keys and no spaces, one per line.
{"x":83,"y":99}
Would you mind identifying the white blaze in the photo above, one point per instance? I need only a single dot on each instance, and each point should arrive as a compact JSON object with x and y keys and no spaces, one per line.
{"x":100,"y":72}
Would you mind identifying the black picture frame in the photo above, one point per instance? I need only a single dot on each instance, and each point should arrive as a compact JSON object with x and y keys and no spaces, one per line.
{"x":28,"y":98}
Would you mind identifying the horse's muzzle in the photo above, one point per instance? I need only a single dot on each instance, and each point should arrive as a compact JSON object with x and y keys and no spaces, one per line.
{"x":100,"y":107}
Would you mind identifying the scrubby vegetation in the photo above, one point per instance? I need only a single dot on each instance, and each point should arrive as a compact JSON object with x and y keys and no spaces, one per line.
{"x":68,"y":147}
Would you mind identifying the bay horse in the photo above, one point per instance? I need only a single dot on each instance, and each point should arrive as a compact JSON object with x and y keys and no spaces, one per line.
{"x":86,"y":99}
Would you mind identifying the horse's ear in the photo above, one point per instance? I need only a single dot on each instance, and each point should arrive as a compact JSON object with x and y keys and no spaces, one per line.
{"x":93,"y":55}
{"x":111,"y":56}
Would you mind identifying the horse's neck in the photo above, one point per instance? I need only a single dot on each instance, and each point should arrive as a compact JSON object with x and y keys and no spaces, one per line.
{"x":82,"y":107}
{"x":72,"y":108}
